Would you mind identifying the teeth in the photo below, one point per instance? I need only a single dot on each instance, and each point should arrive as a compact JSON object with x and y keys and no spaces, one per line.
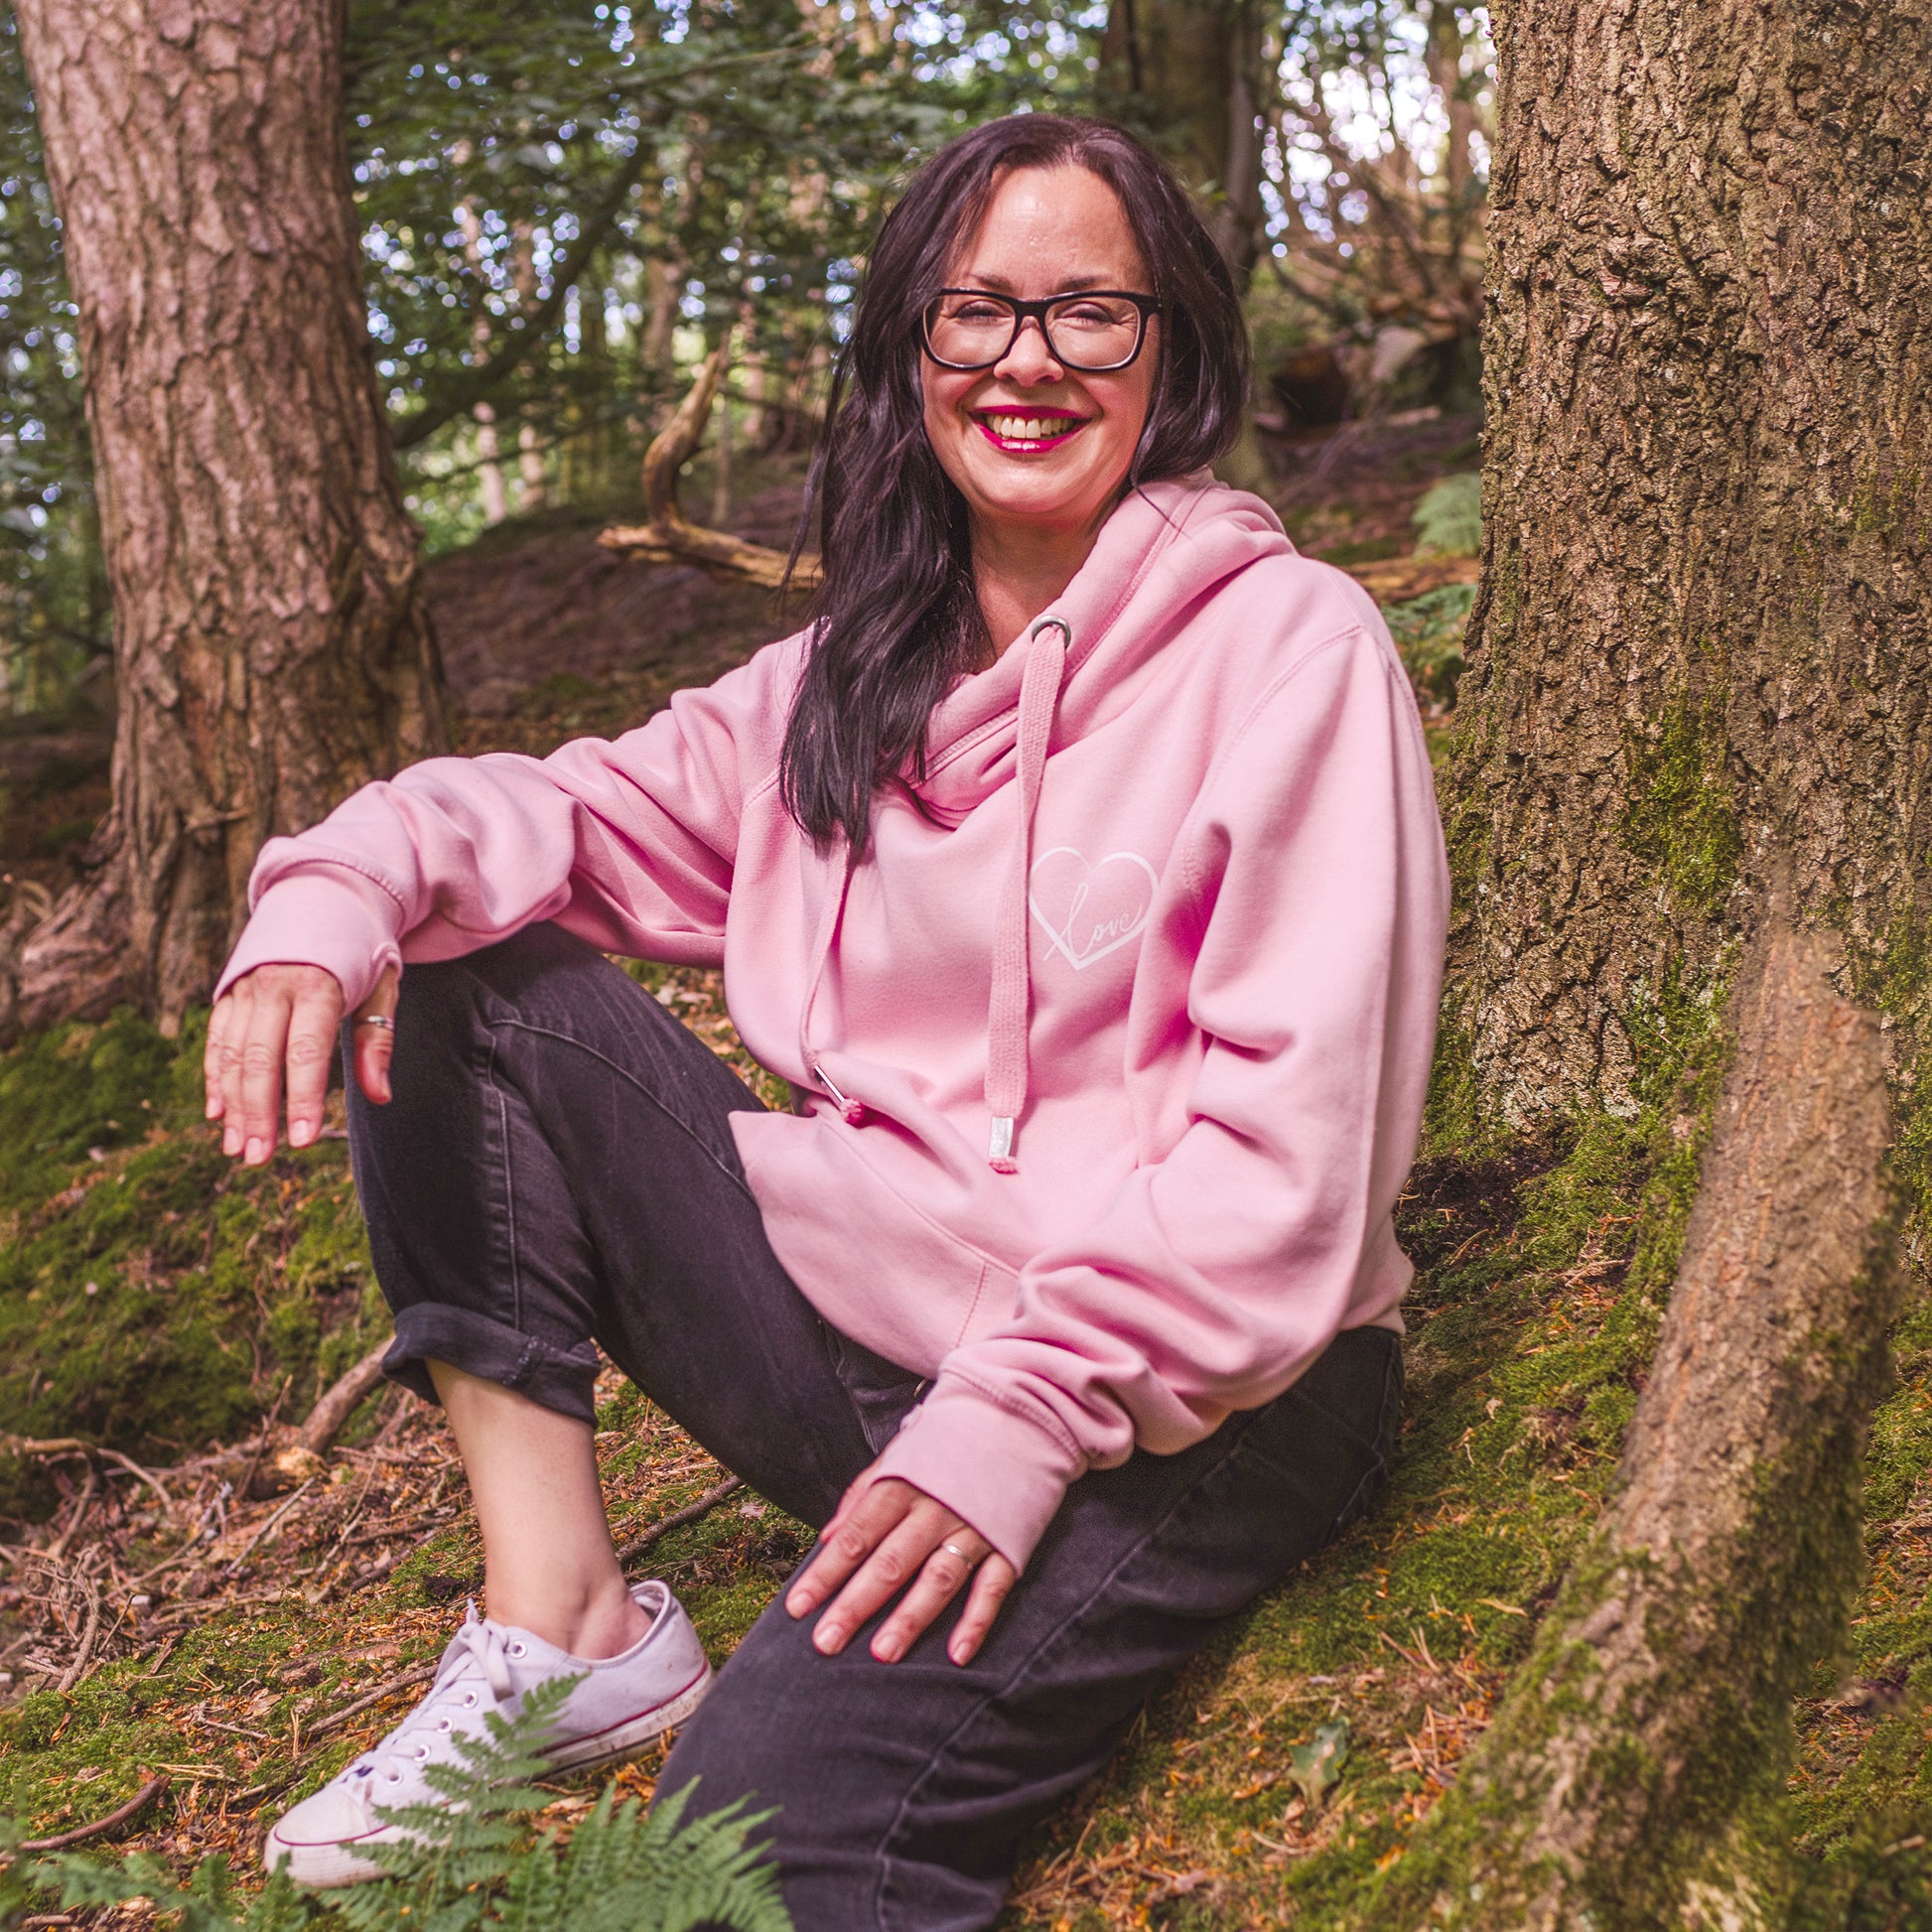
{"x":1029,"y":429}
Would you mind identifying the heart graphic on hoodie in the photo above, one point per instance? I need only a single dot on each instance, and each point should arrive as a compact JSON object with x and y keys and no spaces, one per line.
{"x":1089,"y":910}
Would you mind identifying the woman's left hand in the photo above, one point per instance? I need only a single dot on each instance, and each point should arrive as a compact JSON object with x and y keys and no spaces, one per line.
{"x":885,"y":1537}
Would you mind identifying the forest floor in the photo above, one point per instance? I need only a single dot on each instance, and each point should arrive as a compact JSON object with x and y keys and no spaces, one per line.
{"x":183,"y":1598}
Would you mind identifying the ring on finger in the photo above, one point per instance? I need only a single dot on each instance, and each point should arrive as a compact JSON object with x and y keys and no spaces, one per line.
{"x":965,"y":1556}
{"x":381,"y":1019}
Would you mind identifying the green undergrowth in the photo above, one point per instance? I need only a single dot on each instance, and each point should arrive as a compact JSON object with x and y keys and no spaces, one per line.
{"x":152,"y":1296}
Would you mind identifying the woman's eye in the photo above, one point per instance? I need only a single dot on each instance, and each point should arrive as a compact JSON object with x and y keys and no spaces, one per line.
{"x":978,"y":312}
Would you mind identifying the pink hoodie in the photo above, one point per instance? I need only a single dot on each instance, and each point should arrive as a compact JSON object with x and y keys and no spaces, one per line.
{"x":1110,"y":1061}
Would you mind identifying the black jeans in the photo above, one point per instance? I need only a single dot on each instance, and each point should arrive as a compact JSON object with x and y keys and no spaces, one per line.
{"x":557,"y":1170}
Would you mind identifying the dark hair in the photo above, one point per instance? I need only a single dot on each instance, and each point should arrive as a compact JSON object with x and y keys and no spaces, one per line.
{"x":895,"y":620}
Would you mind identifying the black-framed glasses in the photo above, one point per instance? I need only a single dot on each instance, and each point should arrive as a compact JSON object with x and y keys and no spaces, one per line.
{"x":1093,"y":332}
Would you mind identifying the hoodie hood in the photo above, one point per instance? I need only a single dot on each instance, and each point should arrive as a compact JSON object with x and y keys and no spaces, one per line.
{"x":1166,"y":547}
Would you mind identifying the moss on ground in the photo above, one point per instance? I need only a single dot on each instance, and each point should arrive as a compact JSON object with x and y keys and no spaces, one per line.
{"x":153,"y":1297}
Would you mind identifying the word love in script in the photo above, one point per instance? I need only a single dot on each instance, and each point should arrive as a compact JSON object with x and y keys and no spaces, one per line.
{"x":1089,"y":909}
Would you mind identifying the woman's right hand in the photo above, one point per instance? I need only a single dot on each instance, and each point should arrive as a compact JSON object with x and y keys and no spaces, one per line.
{"x":274,"y":1031}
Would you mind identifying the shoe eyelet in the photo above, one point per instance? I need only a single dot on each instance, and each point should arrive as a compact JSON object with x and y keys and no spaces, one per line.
{"x":392,"y":1777}
{"x":468,"y":1701}
{"x":444,"y":1725}
{"x":516,"y":1650}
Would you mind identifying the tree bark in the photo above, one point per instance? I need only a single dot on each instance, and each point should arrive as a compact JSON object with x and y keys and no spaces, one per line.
{"x":1193,"y":66}
{"x":1705,"y":629}
{"x":271,"y":644}
{"x":1615,"y":1786}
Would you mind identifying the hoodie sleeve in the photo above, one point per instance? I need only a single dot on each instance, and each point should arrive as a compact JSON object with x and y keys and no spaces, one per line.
{"x":1313,"y":901}
{"x":629,"y":844}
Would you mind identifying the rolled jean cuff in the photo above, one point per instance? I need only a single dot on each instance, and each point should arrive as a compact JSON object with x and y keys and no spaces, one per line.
{"x":563,"y":1379}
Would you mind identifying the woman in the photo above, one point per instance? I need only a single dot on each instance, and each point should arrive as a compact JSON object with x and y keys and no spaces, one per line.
{"x":1079,"y":868}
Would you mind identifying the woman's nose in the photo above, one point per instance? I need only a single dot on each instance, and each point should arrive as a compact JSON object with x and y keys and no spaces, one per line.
{"x":1029,"y":359}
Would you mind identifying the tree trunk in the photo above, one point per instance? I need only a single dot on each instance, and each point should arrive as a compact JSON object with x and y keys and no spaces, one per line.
{"x":1615,"y":1786}
{"x":1703,"y":626}
{"x":271,"y":644}
{"x":1191,"y":65}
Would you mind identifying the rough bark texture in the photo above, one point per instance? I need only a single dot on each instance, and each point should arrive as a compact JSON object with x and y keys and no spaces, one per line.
{"x":271,"y":645}
{"x":1705,"y":624}
{"x":1615,"y":1787}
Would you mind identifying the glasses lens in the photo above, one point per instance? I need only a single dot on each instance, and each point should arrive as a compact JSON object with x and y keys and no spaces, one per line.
{"x":970,"y":329}
{"x":1093,"y":332}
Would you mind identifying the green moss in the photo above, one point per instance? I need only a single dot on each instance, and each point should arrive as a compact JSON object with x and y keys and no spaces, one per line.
{"x":1681,"y":817}
{"x":152,"y":1296}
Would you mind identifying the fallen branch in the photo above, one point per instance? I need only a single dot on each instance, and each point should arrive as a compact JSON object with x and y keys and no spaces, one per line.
{"x":134,"y":1807}
{"x":669,"y":536}
{"x":330,"y":1417}
{"x":677,"y":1519}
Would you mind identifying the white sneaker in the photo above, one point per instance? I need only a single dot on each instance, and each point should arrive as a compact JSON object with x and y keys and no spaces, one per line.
{"x":622,"y":1703}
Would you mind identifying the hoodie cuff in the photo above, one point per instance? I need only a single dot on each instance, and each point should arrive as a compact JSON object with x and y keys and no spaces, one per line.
{"x":1002,"y":1474}
{"x":330,"y":918}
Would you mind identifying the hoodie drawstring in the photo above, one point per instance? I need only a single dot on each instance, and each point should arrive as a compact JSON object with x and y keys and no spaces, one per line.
{"x":1008,"y":1008}
{"x":1008,"y":1013}
{"x":853,"y":1111}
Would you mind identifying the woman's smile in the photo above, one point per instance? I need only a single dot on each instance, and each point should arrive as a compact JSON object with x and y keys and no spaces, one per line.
{"x":1028,"y":429}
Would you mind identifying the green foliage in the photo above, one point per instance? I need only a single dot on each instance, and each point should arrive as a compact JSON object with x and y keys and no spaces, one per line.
{"x":1449,"y":519}
{"x":53,"y":591}
{"x":1428,"y":631}
{"x":483,"y":1859}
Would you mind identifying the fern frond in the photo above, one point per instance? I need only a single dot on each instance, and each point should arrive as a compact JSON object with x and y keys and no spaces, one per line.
{"x":628,"y":1871}
{"x":1449,"y":519}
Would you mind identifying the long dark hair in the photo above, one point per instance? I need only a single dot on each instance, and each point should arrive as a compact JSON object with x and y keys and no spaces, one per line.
{"x":895,"y":620}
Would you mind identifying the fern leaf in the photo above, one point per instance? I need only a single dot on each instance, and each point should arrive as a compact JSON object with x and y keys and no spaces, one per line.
{"x":1449,"y":519}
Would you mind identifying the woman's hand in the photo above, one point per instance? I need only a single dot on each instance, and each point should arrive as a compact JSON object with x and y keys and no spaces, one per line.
{"x":888,"y":1535}
{"x":275,"y":1029}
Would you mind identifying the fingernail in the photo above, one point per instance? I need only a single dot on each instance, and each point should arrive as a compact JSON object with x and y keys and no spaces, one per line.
{"x":828,"y":1637}
{"x":798,"y":1603}
{"x":959,"y":1653}
{"x":301,"y":1132}
{"x":231,"y":1140}
{"x":213,"y":1109}
{"x":888,"y":1650}
{"x":255,"y":1152}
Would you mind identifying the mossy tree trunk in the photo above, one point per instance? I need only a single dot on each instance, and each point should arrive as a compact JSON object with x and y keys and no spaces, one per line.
{"x":1620,"y":1781}
{"x":271,"y":645}
{"x":1697,"y":729}
{"x":1705,"y":626}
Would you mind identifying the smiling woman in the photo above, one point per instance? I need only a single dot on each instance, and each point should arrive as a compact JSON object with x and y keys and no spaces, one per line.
{"x":1078,"y":867}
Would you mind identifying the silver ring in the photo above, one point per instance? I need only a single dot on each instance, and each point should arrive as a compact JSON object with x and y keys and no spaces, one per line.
{"x":388,"y":1024}
{"x":953,"y":1549}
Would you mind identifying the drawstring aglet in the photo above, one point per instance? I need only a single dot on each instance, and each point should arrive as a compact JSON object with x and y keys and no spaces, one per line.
{"x":998,"y":1149}
{"x":853,"y":1111}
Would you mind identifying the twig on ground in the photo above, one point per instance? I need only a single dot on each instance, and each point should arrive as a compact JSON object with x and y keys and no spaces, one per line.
{"x":89,"y":1491}
{"x":137,"y":1804}
{"x":329,"y":1415}
{"x":266,"y":1436}
{"x":80,"y":1656}
{"x":249,"y":1548}
{"x":388,"y":1687}
{"x":677,"y":1519}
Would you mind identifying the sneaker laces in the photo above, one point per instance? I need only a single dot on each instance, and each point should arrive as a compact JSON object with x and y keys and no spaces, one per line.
{"x":479,"y":1648}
